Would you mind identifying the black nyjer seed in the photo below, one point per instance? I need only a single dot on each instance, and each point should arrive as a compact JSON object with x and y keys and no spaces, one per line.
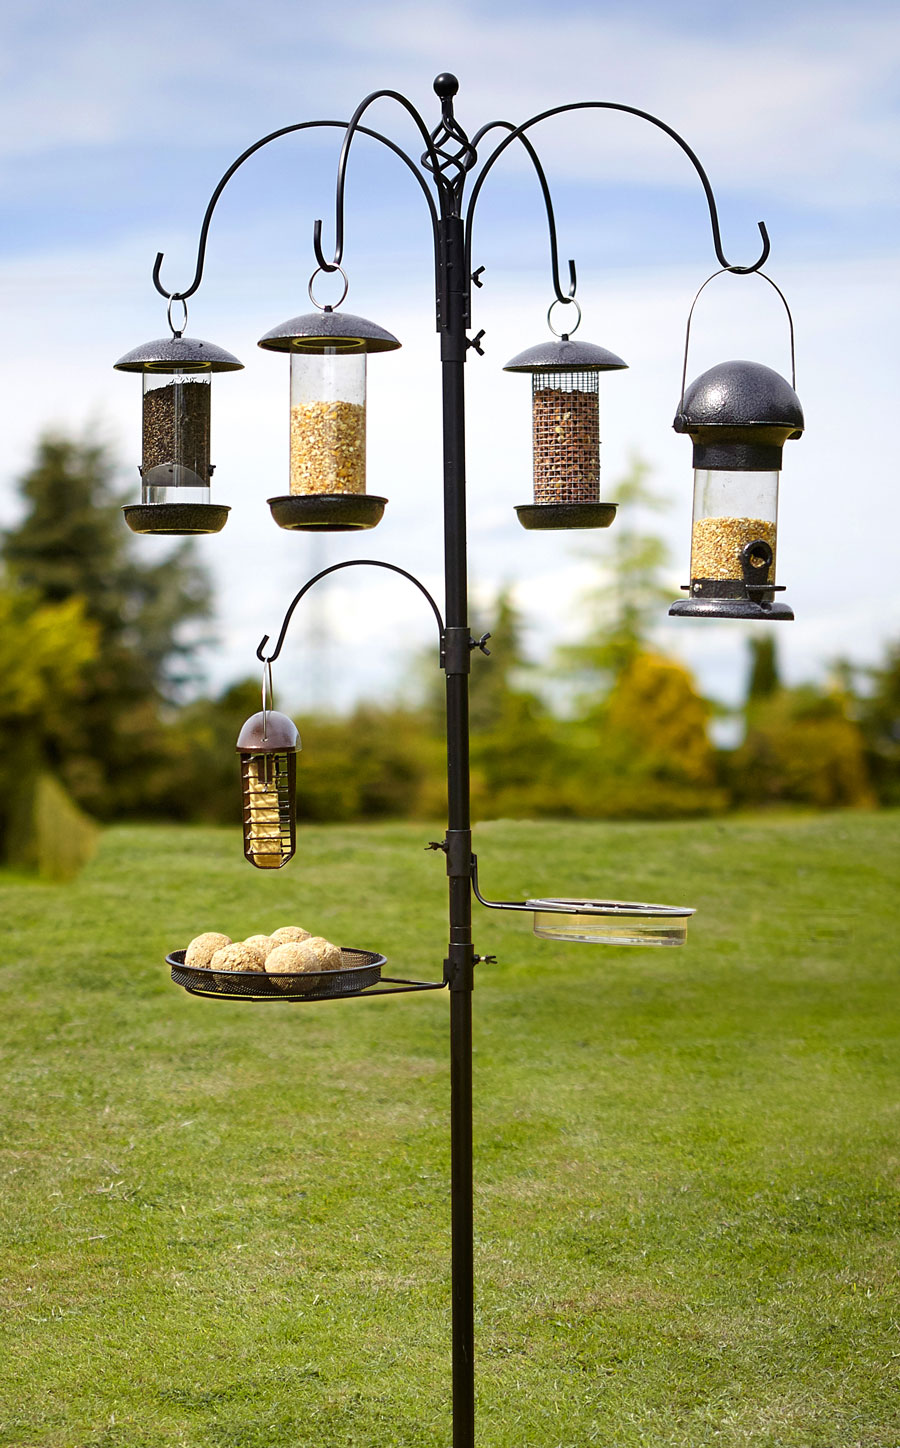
{"x":176,"y":427}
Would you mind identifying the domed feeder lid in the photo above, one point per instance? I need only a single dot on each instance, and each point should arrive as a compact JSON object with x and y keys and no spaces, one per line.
{"x":565,"y":356}
{"x":182,"y":354}
{"x":327,"y":331}
{"x":268,"y":733}
{"x":738,"y":395}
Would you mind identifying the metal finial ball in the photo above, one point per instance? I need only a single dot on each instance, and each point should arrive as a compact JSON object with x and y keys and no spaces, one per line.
{"x":445,"y":85}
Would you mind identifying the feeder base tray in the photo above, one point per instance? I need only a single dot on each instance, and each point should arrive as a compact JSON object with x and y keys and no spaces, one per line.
{"x":358,"y":969}
{"x":729,"y":608}
{"x":566,"y":515}
{"x":176,"y":519}
{"x":327,"y":512}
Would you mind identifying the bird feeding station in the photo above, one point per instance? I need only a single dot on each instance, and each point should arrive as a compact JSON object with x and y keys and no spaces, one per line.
{"x":738,"y":420}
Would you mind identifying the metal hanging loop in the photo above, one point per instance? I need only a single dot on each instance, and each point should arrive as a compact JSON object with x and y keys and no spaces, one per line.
{"x":687,"y":336}
{"x":322,"y":306}
{"x":569,"y":301}
{"x":176,"y":331}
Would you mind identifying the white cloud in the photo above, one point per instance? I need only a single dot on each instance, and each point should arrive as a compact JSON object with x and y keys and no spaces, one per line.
{"x":803,"y":110}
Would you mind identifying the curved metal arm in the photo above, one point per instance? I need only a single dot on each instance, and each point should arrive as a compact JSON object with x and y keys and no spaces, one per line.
{"x":548,"y":203}
{"x":655,"y":121}
{"x":495,"y":904}
{"x":335,"y":568}
{"x":352,"y":127}
{"x":257,"y":146}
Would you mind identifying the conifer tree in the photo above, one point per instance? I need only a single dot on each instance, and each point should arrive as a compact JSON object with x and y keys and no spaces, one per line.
{"x":72,"y":543}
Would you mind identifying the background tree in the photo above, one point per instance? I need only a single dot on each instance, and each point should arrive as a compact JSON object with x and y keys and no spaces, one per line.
{"x":801,"y":745}
{"x":764,"y":678}
{"x":875,"y":705}
{"x":621,"y":610}
{"x":73,"y":544}
{"x":45,"y":650}
{"x":639,"y":743}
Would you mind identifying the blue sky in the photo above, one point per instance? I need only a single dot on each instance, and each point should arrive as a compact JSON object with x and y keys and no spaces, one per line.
{"x":116,"y":122}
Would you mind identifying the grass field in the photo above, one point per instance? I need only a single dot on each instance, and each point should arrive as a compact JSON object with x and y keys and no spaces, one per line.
{"x":226,"y":1226}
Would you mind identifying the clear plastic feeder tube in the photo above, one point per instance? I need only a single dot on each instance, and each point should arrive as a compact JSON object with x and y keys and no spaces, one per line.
{"x":328,"y":422}
{"x":566,"y":430}
{"x":175,"y":464}
{"x":732,"y":509}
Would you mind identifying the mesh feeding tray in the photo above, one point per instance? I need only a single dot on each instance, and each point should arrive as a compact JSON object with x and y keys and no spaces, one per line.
{"x":359,"y":969}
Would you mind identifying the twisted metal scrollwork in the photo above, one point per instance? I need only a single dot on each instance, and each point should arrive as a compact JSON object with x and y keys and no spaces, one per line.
{"x":457,"y":154}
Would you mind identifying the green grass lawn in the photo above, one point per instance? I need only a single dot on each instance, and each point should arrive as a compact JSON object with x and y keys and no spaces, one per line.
{"x":227,"y":1226}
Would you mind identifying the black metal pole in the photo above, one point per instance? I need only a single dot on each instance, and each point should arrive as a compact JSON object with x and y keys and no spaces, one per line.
{"x":460,"y":959}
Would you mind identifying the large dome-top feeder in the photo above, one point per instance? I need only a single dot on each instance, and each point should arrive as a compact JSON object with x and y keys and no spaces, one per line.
{"x":175,"y":468}
{"x":328,"y":351}
{"x":565,"y":411}
{"x":738,"y":415}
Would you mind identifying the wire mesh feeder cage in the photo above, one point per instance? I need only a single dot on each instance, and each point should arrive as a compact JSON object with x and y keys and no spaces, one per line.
{"x":359,"y":969}
{"x":565,"y":410}
{"x":268,"y":745}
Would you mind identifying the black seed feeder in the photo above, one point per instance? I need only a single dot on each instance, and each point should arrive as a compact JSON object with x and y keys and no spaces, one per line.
{"x":739,"y":416}
{"x":328,"y":352}
{"x":175,"y":467}
{"x":268,"y":745}
{"x":565,"y":410}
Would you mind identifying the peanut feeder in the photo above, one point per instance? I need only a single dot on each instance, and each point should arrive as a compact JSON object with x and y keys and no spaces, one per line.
{"x":566,"y":432}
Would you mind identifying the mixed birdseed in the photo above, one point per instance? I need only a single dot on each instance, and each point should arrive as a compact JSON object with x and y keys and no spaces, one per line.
{"x":328,"y":448}
{"x":176,"y":427}
{"x":716,"y":545}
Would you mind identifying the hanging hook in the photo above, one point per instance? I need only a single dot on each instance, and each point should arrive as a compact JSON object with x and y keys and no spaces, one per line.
{"x":335,"y":568}
{"x":251,"y":150}
{"x":740,"y":271}
{"x":324,"y":264}
{"x":517,"y":133}
{"x":353,"y":125}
